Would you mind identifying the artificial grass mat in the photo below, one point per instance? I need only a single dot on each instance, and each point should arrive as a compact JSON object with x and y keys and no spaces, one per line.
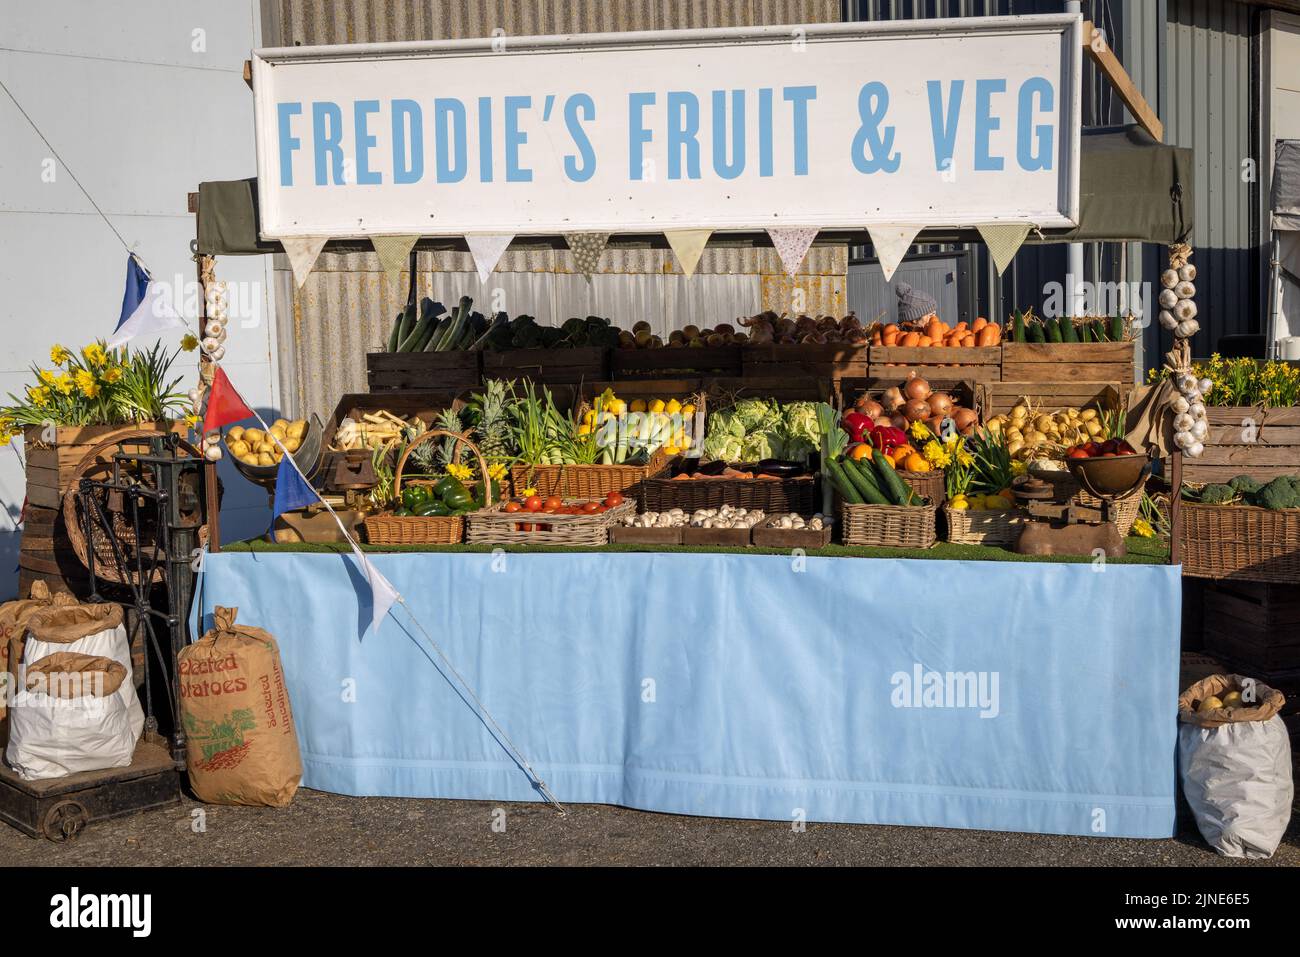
{"x":1141,"y":551}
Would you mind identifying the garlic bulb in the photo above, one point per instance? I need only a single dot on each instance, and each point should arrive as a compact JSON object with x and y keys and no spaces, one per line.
{"x":1187,"y":273}
{"x":1168,"y":320}
{"x":212,"y":453}
{"x":1199,"y":429}
{"x":1183,"y":422}
{"x":1184,"y":440}
{"x":218,"y":353}
{"x":1168,"y":299}
{"x":1185,"y":309}
{"x":1169,"y":278}
{"x":1187,"y":328}
{"x":209,"y":343}
{"x":1186,"y":383}
{"x":1184,"y":290}
{"x":1180,"y":404}
{"x":215,"y":328}
{"x":1195,"y":450}
{"x":1196,"y":410}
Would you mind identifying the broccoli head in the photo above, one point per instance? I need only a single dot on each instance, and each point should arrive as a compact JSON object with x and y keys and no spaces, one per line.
{"x":1217,"y":494}
{"x":1245,"y":484}
{"x":1278,"y":494}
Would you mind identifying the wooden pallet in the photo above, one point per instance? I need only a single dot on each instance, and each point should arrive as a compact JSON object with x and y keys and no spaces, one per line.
{"x":1244,"y":440}
{"x":669,"y":362}
{"x":438,"y":371}
{"x":1256,"y":625}
{"x":1060,"y":362}
{"x":828,"y":362}
{"x":549,"y":366}
{"x":980,"y":363}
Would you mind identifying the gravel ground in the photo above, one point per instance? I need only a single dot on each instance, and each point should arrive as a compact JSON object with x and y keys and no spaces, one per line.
{"x":329,"y":829}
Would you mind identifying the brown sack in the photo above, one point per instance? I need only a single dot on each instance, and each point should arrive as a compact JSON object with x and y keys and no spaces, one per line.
{"x":64,"y":624}
{"x":96,"y":676}
{"x":14,"y":616}
{"x":240,"y":741}
{"x":1268,"y":701}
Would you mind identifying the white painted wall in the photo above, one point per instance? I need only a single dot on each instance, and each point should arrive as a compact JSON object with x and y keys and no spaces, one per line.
{"x":143,"y":99}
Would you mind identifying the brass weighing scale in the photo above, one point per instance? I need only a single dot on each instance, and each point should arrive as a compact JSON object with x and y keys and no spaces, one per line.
{"x":1066,"y":528}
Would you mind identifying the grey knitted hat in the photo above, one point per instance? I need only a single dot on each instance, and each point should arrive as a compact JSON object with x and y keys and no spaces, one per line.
{"x":913,"y":303}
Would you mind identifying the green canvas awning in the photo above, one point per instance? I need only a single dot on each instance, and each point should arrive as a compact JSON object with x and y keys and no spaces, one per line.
{"x":1131,"y":189}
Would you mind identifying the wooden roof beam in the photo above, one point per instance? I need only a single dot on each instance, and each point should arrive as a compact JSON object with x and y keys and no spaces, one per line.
{"x":1099,"y":51}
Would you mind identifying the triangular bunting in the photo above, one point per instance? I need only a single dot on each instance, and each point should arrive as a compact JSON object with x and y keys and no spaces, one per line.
{"x":891,"y":242}
{"x":392,"y":252}
{"x":487,"y":250}
{"x":225,"y":407}
{"x":1004,"y":240}
{"x":688,"y":245}
{"x":146,"y":310}
{"x":292,"y":491}
{"x":792,"y":246}
{"x":302,"y":252}
{"x":587,"y":248}
{"x":382,"y":593}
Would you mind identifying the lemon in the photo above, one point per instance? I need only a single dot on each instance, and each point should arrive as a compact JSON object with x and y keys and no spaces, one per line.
{"x":584,"y":429}
{"x":657,"y":406}
{"x":638,"y":405}
{"x":673,"y":407}
{"x":688,"y":410}
{"x":959,"y":503}
{"x":617,"y":406}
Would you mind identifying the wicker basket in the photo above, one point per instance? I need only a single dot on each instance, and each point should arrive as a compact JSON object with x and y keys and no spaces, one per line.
{"x":386,"y":528}
{"x":894,"y":526}
{"x":586,"y":481}
{"x":1242,"y":542}
{"x":929,"y":485}
{"x":1123,"y":512}
{"x":493,"y":526}
{"x":983,"y":527}
{"x":771,"y":495}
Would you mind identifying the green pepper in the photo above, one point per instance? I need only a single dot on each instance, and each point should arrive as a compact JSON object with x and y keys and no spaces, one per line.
{"x":431,"y":508}
{"x":403,"y":510}
{"x":458,"y":498}
{"x":444,"y":485}
{"x":415,"y":495}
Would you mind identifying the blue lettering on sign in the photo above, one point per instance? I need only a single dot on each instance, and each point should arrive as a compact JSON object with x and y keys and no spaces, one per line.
{"x":683,"y":134}
{"x":326,"y":143}
{"x":485,"y":139}
{"x":798,"y":97}
{"x":986,"y":123}
{"x":637,"y":134}
{"x":408,"y":112}
{"x":452,"y":153}
{"x":944,"y":125}
{"x":288,"y":142}
{"x":583,"y":102}
{"x":1026,"y":132}
{"x":365,"y":141}
{"x":765,"y":131}
{"x":873,"y":104}
{"x":737,"y":165}
{"x":516,"y":138}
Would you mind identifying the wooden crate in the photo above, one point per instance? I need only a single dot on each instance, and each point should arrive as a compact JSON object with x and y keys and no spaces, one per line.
{"x":981,"y":363}
{"x":830,"y":362}
{"x":548,"y":366}
{"x":1255,"y":626}
{"x":439,"y":371}
{"x":50,"y":465}
{"x":1060,"y":362}
{"x":670,"y":361}
{"x":1229,"y":451}
{"x":965,"y":392}
{"x":792,"y":388}
{"x":1004,"y":396}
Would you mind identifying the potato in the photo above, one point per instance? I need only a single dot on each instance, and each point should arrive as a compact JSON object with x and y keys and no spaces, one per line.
{"x":292,"y":444}
{"x":237,"y":448}
{"x":264,"y":458}
{"x":253,"y":436}
{"x":249,"y":458}
{"x":234,"y":434}
{"x":297,"y":429}
{"x":279,"y":432}
{"x":281,"y":424}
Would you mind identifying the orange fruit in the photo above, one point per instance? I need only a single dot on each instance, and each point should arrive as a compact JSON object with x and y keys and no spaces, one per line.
{"x":915,"y":462}
{"x":860,"y":451}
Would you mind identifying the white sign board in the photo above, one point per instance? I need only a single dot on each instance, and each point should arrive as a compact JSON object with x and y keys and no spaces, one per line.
{"x":937,"y":122}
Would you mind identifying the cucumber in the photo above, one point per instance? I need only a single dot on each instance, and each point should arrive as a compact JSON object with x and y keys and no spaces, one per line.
{"x":840,"y":480}
{"x":393,"y":337}
{"x":1036,"y":333}
{"x":1018,"y":327}
{"x":894,"y":487}
{"x":862,"y":477}
{"x":1068,"y":333}
{"x":1117,"y":329}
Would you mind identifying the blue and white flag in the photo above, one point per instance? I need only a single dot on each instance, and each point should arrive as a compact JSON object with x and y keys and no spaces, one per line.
{"x":292,"y":491}
{"x":145,"y":309}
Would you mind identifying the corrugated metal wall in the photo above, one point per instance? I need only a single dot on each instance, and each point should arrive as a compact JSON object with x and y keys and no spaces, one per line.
{"x":347,"y":304}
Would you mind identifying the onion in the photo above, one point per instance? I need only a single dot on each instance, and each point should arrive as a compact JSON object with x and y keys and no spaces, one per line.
{"x":883,"y":420}
{"x":893,"y":399}
{"x":965,"y":419}
{"x":916,"y":410}
{"x":899,"y":421}
{"x":869,"y":407}
{"x":941,"y":403}
{"x":935,"y":424}
{"x":916,"y":388}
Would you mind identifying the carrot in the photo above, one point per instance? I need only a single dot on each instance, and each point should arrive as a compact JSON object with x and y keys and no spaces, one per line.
{"x":980,"y":323}
{"x":925,"y":341}
{"x":968,"y":339}
{"x":989,"y":335}
{"x":910,"y":340}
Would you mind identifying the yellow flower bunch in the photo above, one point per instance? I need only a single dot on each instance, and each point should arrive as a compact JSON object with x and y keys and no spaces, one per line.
{"x":47,"y":377}
{"x":497,"y":471}
{"x":113,"y":375}
{"x":39,"y":394}
{"x":460,"y":472}
{"x":59,"y":355}
{"x":936,"y":454}
{"x":65,"y":383}
{"x":94,"y":355}
{"x":920,"y":431}
{"x":86,"y":383}
{"x":189,"y":342}
{"x":1142,"y":527}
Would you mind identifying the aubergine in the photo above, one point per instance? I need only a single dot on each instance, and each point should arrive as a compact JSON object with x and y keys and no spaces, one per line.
{"x":781,"y":467}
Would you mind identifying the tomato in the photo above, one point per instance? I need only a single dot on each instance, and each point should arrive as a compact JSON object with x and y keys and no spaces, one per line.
{"x":553,"y":502}
{"x":613,"y":499}
{"x":1078,"y":453}
{"x":1109,"y":455}
{"x":1125,"y":449}
{"x":602,"y":508}
{"x":533,"y":503}
{"x":512,"y":507}
{"x":590,"y":507}
{"x":1092,"y":448}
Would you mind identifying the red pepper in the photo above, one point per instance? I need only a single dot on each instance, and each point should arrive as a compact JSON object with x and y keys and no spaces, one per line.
{"x":857,"y":425}
{"x":886,"y":438}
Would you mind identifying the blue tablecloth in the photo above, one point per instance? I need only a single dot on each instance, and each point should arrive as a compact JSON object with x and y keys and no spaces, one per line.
{"x":1025,"y":697}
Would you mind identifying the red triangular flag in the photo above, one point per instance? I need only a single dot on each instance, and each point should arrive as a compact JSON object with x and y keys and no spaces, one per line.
{"x":225,"y":407}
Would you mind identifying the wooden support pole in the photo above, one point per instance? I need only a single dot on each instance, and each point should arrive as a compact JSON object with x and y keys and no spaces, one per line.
{"x":1176,"y":507}
{"x":1099,"y":51}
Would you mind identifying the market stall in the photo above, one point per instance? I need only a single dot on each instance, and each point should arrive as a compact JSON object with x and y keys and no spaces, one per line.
{"x":774,"y":636}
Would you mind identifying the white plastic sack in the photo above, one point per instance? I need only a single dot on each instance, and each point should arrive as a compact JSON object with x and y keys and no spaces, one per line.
{"x":1235,"y":767}
{"x":60,"y":724}
{"x":55,"y":738}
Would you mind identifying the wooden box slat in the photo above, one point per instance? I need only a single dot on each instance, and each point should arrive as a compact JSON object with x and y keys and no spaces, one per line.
{"x":1228,"y":453}
{"x":831,"y":362}
{"x":1004,"y":396}
{"x":548,"y":366}
{"x":666,"y":362}
{"x":981,"y":363}
{"x":446,"y":371}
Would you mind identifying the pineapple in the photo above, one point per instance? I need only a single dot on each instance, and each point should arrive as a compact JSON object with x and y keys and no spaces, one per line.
{"x":492,"y":425}
{"x":449,"y":421}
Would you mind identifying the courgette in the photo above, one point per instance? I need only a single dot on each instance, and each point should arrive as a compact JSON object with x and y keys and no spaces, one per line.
{"x":1085,"y":332}
{"x":848,"y":491}
{"x":1018,"y":327}
{"x":1117,"y":329}
{"x":1036,"y":332}
{"x":1068,"y":333}
{"x":1054,"y":330}
{"x":890,"y":482}
{"x":1098,"y":330}
{"x":861,"y":475}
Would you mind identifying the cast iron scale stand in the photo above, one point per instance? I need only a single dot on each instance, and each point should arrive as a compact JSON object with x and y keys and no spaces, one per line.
{"x":142,"y":526}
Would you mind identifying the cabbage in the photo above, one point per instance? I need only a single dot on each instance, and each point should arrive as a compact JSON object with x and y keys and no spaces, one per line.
{"x":722,"y":446}
{"x":755,"y":447}
{"x":755,"y":414}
